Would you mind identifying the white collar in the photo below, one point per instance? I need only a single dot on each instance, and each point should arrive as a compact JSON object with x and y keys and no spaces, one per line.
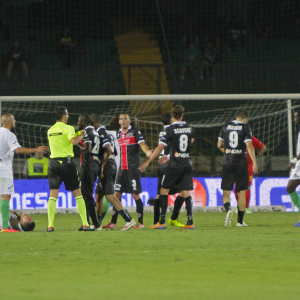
{"x":235,"y":121}
{"x":179,"y":123}
{"x":166,"y":126}
{"x":129,"y":127}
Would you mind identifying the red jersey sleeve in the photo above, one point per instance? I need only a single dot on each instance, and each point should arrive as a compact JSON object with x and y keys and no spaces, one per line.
{"x":257,"y":144}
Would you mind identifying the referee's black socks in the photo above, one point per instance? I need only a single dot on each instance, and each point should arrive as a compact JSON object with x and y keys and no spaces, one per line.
{"x":177,"y":207}
{"x":189,"y":210}
{"x":163,"y":206}
{"x":140,"y":210}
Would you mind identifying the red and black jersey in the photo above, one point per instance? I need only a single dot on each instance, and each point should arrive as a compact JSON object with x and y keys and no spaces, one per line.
{"x":129,"y":148}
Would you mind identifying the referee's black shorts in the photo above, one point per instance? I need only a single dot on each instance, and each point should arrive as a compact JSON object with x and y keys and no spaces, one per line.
{"x":160,"y":173}
{"x":128,"y":181}
{"x":60,"y":170}
{"x":180,"y":178}
{"x":106,"y":185}
{"x":235,"y":172}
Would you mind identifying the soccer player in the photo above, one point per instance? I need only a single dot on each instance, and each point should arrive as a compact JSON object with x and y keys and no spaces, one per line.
{"x":18,"y":222}
{"x":129,"y":176}
{"x":62,"y":168}
{"x":162,"y":169}
{"x":294,"y":167}
{"x":90,"y":165}
{"x":106,"y":180}
{"x":257,"y":144}
{"x":8,"y":146}
{"x":179,"y":173}
{"x":236,"y":139}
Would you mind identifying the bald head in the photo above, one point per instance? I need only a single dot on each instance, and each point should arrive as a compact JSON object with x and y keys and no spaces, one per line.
{"x":8,"y":121}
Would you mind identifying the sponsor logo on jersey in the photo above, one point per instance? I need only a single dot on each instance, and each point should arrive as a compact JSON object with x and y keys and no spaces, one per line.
{"x":232,"y":127}
{"x":182,"y":130}
{"x":234,"y":151}
{"x":182,"y":155}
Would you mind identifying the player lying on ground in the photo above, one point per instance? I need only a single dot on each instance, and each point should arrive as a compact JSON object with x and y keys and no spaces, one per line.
{"x":18,"y":222}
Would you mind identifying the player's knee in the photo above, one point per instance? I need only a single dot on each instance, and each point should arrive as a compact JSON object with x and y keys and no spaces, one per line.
{"x":290,"y":189}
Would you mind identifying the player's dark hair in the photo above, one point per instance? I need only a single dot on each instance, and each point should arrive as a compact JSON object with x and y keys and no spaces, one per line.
{"x":242,"y":114}
{"x":86,"y":119}
{"x":95,"y":118}
{"x":177,"y":111}
{"x":28,"y":226}
{"x":166,"y":118}
{"x":114,"y":124}
{"x":59,"y":112}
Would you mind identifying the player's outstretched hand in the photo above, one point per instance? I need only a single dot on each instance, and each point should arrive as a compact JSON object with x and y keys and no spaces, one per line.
{"x":163,"y":160}
{"x":149,"y":153}
{"x":43,"y":149}
{"x":289,"y":167}
{"x":144,"y":166}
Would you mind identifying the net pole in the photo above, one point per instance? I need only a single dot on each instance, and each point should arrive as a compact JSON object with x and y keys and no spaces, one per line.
{"x":290,"y":136}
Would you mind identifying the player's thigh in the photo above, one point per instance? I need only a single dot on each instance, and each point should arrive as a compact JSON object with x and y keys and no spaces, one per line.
{"x":228,"y":177}
{"x":120,"y":182}
{"x":160,"y":174}
{"x":186,"y":181}
{"x":7,"y":186}
{"x":55,"y":176}
{"x":108,"y":183}
{"x":88,"y":179}
{"x":241,"y":172}
{"x":172,"y":178}
{"x":71,"y":176}
{"x":133,"y":181}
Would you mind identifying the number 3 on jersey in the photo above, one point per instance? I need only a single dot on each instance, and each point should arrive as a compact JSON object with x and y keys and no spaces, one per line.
{"x":183,"y":142}
{"x":233,"y":139}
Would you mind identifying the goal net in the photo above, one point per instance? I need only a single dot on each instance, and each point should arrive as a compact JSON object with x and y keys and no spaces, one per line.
{"x":268,"y":120}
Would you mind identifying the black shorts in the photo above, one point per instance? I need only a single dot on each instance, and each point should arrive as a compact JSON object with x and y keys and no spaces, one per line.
{"x":61,"y":171}
{"x":235,"y":172}
{"x":88,"y":177}
{"x":106,"y":184}
{"x":180,"y":178}
{"x":128,"y":181}
{"x":161,"y":172}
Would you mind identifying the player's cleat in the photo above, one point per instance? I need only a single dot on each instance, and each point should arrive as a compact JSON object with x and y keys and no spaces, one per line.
{"x":159,"y":226}
{"x":175,"y":223}
{"x":139,"y":226}
{"x":110,"y":226}
{"x":129,"y":225}
{"x":188,"y":227}
{"x":50,"y":229}
{"x":99,"y":228}
{"x":228,"y":218}
{"x":248,"y":211}
{"x":297,"y":224}
{"x":241,"y":225}
{"x":87,"y":228}
{"x":8,"y":230}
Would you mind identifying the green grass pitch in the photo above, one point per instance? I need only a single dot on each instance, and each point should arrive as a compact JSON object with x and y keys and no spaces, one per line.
{"x":210,"y":262}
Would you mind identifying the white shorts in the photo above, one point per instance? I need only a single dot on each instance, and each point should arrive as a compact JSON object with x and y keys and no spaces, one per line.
{"x":7,"y":186}
{"x":295,"y":173}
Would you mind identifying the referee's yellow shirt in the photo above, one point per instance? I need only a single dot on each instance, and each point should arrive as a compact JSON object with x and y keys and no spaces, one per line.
{"x":59,"y":136}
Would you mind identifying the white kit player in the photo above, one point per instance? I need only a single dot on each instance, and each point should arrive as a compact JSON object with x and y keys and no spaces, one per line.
{"x":8,"y":146}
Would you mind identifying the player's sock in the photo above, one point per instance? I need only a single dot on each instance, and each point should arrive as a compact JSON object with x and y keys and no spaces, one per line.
{"x":140,"y":210}
{"x":125,"y":215}
{"x":5,"y":213}
{"x":227,"y":206}
{"x":296,"y":199}
{"x":51,"y":211}
{"x":163,"y":206}
{"x":82,"y":210}
{"x":177,"y":207}
{"x":189,"y":210}
{"x":92,"y":211}
{"x":156,"y":211}
{"x":100,"y":219}
{"x":114,"y":217}
{"x":247,"y":196}
{"x":241,"y":216}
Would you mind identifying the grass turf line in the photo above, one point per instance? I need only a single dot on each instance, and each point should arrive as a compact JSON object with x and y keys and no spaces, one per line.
{"x":211,"y":262}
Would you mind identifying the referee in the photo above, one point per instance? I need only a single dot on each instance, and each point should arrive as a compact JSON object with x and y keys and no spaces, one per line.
{"x":62,"y":167}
